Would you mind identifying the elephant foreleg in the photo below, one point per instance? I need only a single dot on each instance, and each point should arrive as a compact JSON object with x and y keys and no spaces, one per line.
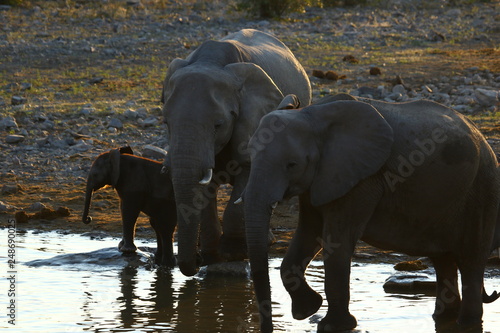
{"x":233,"y":238}
{"x":304,"y":246}
{"x":447,"y":294}
{"x":344,"y":224}
{"x":130,"y":212}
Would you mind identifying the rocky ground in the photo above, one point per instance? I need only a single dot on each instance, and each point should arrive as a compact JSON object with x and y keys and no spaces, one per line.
{"x":78,"y":78}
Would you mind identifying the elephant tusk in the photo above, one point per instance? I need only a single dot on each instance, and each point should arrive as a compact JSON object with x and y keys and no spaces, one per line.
{"x":207,"y":178}
{"x":239,"y":201}
{"x":274,"y":205}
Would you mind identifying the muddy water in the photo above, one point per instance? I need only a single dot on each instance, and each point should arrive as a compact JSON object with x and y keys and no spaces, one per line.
{"x":76,"y":284}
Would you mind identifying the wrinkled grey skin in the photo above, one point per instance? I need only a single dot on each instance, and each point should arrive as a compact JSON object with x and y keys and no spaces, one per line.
{"x":213,"y":101}
{"x":141,"y":188}
{"x":414,"y":177}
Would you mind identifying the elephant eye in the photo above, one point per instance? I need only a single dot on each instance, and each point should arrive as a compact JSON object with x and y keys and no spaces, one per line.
{"x":291,"y":165}
{"x":218,"y":124}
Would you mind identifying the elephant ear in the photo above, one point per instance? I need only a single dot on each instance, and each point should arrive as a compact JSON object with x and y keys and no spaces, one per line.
{"x":174,"y":65}
{"x":289,"y":102}
{"x":356,"y":143}
{"x":126,"y":150}
{"x":114,"y":161}
{"x":259,"y":95}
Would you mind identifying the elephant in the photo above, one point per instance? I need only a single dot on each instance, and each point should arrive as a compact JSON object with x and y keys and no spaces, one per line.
{"x":142,"y":188}
{"x":212,"y":103}
{"x":414,"y":177}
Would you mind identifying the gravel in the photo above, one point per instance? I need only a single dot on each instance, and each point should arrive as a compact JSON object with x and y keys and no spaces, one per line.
{"x":49,"y":134}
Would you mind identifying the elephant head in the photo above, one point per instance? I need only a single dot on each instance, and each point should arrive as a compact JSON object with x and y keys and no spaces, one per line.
{"x":104,"y":171}
{"x":321,"y":152}
{"x":210,"y":109}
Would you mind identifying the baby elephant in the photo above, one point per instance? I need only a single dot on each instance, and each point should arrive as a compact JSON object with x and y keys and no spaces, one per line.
{"x":141,"y":188}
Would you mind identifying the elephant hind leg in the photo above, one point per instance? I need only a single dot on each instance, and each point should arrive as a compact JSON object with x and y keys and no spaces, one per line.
{"x":471,"y":311}
{"x":447,"y":295}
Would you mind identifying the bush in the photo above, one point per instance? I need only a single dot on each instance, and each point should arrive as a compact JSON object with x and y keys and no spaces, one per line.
{"x":277,"y":8}
{"x":12,"y":2}
{"x":274,"y":8}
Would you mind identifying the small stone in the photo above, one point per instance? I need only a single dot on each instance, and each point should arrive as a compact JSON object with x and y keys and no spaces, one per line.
{"x":414,"y":265}
{"x":116,"y":123}
{"x":5,"y":207}
{"x":21,"y":217}
{"x":25,"y":86}
{"x":150,"y":121}
{"x":87,"y":110}
{"x":375,"y":71}
{"x":410,"y":284}
{"x":36,"y":207}
{"x":131,"y":114}
{"x":331,"y":75}
{"x":96,"y":80}
{"x":399,"y":88}
{"x":63,"y":211}
{"x":318,"y":73}
{"x":350,"y":59}
{"x":14,"y":138}
{"x":11,"y":189}
{"x":486,"y":97}
{"x":18,"y":100}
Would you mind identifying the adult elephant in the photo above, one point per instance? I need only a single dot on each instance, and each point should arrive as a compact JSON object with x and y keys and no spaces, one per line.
{"x":213,"y":102}
{"x":414,"y":177}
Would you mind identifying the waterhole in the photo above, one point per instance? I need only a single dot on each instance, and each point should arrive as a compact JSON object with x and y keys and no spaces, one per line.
{"x":72,"y":283}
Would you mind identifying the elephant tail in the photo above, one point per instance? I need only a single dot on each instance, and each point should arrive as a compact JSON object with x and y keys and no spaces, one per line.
{"x":490,"y":298}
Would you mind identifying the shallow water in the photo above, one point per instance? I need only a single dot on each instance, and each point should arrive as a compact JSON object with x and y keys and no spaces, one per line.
{"x":117,"y":294}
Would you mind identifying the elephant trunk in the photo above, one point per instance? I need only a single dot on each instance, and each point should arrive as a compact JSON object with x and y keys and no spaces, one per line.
{"x":88,"y":198}
{"x":257,"y":218}
{"x":191,"y":159}
{"x":188,"y":227}
{"x":189,"y":178}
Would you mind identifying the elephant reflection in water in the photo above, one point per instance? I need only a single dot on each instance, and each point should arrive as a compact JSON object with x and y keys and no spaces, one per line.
{"x":213,"y":303}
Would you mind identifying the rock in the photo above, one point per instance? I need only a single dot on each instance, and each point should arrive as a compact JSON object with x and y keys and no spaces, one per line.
{"x":318,"y":73}
{"x":87,"y":110}
{"x":36,"y":207}
{"x":150,"y":121}
{"x":18,"y":100}
{"x":8,"y":122}
{"x":410,"y":284}
{"x":331,"y":75}
{"x":375,"y":71}
{"x":14,"y":138}
{"x":153,"y":152}
{"x":131,"y":114}
{"x":486,"y":97}
{"x":21,"y":217}
{"x":350,"y":59}
{"x":232,"y":268}
{"x":399,"y":88}
{"x":115,"y":123}
{"x":11,"y":189}
{"x":4,"y":208}
{"x":410,"y":266}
